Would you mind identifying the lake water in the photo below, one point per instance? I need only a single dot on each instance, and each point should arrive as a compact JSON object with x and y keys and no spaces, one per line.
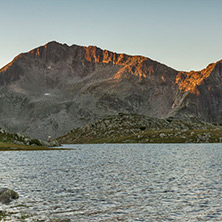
{"x":116,"y":182}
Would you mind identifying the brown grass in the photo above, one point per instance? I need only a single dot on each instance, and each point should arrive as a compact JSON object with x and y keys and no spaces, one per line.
{"x":16,"y":147}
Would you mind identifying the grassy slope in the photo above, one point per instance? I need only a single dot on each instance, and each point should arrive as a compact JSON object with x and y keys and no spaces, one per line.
{"x":129,"y":129}
{"x":153,"y":136}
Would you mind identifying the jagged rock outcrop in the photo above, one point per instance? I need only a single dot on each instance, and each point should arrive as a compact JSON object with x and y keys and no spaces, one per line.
{"x":204,"y":93}
{"x":56,"y":87}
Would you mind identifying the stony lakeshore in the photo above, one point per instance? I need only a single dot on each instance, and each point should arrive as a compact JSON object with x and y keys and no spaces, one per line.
{"x":21,"y":142}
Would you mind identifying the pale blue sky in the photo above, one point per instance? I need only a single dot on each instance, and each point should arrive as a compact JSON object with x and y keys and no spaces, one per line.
{"x":183,"y":34}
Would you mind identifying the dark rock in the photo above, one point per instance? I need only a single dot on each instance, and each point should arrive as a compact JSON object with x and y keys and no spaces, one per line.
{"x":7,"y":195}
{"x":142,"y":128}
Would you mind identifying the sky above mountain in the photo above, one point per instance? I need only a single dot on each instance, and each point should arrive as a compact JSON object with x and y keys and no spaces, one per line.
{"x":183,"y":34}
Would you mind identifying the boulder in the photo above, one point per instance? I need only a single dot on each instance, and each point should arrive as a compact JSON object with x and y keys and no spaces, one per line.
{"x":54,"y":143}
{"x":2,"y":131}
{"x":7,"y":195}
{"x":162,"y":135}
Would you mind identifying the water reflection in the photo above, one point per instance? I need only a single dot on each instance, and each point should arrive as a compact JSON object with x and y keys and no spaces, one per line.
{"x":136,"y":182}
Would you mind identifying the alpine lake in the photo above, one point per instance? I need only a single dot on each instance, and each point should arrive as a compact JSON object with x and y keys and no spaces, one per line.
{"x":115,"y":182}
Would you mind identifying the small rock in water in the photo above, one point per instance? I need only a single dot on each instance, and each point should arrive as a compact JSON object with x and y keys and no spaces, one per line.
{"x":7,"y":195}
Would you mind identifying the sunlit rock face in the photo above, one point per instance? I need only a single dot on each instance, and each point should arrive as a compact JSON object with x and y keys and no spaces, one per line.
{"x":56,"y":87}
{"x":204,"y":98}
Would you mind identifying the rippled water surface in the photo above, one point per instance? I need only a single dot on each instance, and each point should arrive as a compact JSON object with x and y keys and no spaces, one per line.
{"x":108,"y":182}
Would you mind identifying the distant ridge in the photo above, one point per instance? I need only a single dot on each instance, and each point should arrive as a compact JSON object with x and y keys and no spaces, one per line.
{"x":54,"y":88}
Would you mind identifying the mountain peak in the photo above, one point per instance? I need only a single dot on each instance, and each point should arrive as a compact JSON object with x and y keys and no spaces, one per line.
{"x":54,"y":43}
{"x":58,"y":87}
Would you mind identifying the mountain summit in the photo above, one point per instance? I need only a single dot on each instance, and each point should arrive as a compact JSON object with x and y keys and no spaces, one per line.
{"x":54,"y":88}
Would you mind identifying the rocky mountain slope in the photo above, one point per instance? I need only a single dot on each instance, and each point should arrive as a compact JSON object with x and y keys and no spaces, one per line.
{"x":203,"y":91}
{"x":133,"y":128}
{"x":55,"y":88}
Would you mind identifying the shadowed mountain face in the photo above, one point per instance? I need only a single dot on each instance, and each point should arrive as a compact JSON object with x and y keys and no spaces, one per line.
{"x":55,"y":88}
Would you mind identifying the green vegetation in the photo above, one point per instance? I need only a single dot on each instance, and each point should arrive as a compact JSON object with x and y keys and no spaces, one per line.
{"x":24,"y":216}
{"x":7,"y":216}
{"x":3,"y":214}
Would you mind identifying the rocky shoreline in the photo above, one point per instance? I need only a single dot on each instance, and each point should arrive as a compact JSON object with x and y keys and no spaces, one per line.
{"x":21,"y":142}
{"x":22,"y":139}
{"x":6,"y":197}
